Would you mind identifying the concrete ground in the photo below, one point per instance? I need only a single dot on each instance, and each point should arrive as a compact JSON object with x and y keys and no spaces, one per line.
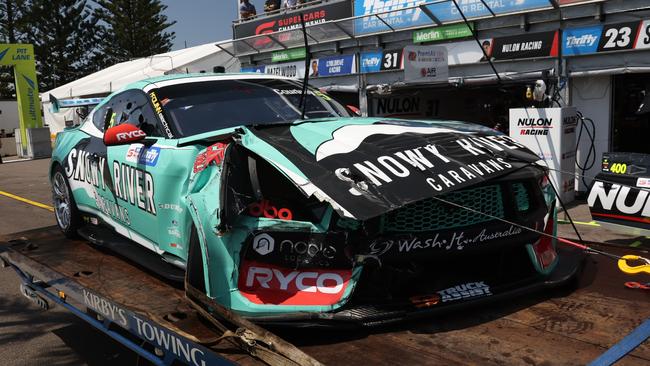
{"x":31,"y":336}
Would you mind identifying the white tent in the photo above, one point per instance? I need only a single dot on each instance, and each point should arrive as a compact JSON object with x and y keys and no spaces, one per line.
{"x":201,"y":58}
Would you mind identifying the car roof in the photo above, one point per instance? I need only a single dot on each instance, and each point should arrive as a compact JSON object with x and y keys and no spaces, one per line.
{"x":198,"y":77}
{"x":150,"y":83}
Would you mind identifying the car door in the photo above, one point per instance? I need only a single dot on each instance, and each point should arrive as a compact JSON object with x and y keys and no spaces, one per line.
{"x":133,"y":167}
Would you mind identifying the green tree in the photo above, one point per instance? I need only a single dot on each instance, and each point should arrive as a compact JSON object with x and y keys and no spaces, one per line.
{"x":12,"y":20}
{"x":12,"y":30}
{"x":63,"y":33}
{"x":132,"y":29}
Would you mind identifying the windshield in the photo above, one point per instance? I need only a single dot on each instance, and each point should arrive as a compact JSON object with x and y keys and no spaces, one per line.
{"x":200,"y":107}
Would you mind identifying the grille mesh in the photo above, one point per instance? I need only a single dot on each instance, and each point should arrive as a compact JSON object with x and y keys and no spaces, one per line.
{"x":521,"y":196}
{"x":431,"y":215}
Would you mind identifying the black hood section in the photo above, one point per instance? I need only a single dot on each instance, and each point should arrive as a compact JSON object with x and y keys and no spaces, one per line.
{"x":388,"y":171}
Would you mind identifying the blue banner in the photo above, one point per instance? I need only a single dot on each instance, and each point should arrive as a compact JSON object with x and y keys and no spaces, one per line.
{"x":256,"y":69}
{"x":581,"y":41}
{"x":371,"y":61}
{"x":336,"y":65}
{"x":445,"y":12}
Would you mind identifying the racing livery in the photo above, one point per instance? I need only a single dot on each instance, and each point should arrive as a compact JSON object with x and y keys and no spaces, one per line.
{"x":282,"y":213}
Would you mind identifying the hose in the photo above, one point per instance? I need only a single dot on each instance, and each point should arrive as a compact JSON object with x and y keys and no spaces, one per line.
{"x":590,"y":160}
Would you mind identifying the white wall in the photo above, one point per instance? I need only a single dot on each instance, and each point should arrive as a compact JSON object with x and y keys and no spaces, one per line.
{"x":9,"y":116}
{"x":593,"y":97}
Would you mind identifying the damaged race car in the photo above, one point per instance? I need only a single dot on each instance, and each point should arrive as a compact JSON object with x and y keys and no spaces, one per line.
{"x":289,"y":208}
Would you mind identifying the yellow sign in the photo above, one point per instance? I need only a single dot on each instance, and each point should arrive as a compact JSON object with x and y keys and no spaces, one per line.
{"x":21,"y":57}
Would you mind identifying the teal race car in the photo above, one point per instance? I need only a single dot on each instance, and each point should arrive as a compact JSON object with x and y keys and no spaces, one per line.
{"x":286,"y":206}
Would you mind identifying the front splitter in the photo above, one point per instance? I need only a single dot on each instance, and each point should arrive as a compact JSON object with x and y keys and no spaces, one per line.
{"x":570,"y":264}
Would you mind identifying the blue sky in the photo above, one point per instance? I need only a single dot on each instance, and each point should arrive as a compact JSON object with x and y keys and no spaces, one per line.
{"x":201,"y":21}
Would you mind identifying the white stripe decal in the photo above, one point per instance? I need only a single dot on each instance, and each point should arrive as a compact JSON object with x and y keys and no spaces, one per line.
{"x":348,"y":138}
{"x":129,"y":234}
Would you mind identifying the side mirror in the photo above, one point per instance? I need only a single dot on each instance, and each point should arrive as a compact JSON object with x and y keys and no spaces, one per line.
{"x":356,"y":111}
{"x":123,"y":134}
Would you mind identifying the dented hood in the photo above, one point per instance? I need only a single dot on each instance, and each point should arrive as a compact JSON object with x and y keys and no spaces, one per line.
{"x":366,"y":167}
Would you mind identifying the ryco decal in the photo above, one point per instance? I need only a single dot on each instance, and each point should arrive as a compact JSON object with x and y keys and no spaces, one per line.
{"x":267,"y":284}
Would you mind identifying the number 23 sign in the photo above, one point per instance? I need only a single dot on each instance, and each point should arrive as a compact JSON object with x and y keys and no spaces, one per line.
{"x":625,"y":36}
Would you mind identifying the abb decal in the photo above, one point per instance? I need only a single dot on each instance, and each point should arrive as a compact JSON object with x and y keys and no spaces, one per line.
{"x":267,"y":284}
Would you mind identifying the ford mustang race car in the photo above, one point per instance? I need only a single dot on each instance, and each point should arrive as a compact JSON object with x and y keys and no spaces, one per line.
{"x":284,"y":206}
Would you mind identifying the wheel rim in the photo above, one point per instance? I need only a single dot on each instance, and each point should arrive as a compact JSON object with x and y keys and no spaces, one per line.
{"x":61,"y":199}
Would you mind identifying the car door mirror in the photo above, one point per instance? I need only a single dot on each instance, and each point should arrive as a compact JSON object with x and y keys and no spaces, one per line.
{"x":123,"y":134}
{"x":354,"y":110}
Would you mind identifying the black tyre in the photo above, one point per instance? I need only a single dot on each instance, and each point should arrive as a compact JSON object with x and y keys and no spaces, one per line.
{"x":67,"y":215}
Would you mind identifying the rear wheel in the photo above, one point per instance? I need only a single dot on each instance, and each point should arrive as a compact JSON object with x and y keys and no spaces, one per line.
{"x":65,"y":208}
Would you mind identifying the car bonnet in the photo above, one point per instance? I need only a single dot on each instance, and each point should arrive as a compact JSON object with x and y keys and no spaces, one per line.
{"x":365,"y":167}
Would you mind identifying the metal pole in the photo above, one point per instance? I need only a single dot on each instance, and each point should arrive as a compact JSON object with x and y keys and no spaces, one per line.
{"x":478,"y":41}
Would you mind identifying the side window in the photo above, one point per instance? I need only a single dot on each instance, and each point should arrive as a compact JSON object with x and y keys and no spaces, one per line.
{"x":133,"y":107}
{"x":99,"y":117}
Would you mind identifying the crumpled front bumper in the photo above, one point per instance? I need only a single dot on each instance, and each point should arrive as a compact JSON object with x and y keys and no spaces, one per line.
{"x":568,"y":268}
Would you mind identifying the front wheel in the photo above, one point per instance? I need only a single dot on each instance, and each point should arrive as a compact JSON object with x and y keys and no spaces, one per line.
{"x":65,"y":208}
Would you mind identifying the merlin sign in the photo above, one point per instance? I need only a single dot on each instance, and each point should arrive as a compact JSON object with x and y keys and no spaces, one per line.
{"x":21,"y":57}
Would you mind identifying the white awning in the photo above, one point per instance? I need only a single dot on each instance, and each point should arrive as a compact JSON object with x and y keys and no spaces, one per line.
{"x":193,"y":59}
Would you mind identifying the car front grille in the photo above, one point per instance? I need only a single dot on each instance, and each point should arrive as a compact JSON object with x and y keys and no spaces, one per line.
{"x":432,"y":215}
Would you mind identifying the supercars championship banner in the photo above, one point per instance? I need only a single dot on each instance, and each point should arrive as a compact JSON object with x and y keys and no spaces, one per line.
{"x":605,"y":38}
{"x":284,"y":22}
{"x":445,"y":12}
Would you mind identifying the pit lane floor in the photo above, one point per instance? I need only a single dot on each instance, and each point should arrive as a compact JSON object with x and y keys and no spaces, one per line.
{"x":565,"y":327}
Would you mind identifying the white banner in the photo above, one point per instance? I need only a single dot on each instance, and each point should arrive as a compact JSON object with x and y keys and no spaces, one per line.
{"x":425,"y":64}
{"x":288,"y":69}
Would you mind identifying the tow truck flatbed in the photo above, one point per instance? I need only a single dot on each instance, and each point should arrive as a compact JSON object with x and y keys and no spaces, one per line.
{"x":153,"y":317}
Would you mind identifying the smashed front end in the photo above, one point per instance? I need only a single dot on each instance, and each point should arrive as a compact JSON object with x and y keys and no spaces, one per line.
{"x":301,"y":256}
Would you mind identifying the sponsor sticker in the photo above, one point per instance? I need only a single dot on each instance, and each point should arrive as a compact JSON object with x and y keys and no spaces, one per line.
{"x":139,"y":154}
{"x":263,"y":244}
{"x":337,"y":65}
{"x":643,"y":182}
{"x":267,"y":284}
{"x":455,"y":293}
{"x":465,"y":291}
{"x":542,"y":44}
{"x":457,"y":240}
{"x":442,"y":33}
{"x":299,"y":250}
{"x":581,"y":41}
{"x":371,"y":61}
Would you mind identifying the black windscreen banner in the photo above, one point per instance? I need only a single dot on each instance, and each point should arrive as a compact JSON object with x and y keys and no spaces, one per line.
{"x":369,"y":170}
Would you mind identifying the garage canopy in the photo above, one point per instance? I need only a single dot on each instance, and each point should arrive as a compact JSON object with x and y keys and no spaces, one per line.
{"x":194,"y":59}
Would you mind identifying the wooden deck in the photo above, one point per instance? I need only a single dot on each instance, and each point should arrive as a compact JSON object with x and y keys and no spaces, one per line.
{"x":563,"y":327}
